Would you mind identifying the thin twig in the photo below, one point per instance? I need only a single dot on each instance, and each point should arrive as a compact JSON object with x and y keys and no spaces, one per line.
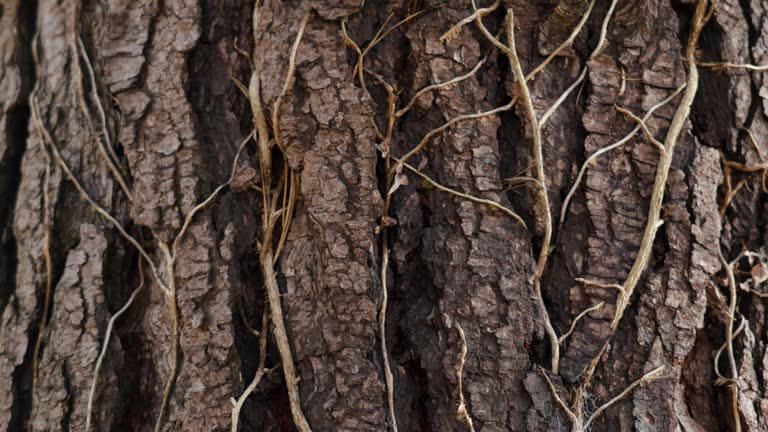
{"x":171,"y":254}
{"x":598,"y":49}
{"x":505,"y":49}
{"x":206,"y":202}
{"x":175,"y":336}
{"x":424,"y":141}
{"x":105,"y":147}
{"x":442,"y":85}
{"x":567,"y":43}
{"x":648,"y":135}
{"x":729,"y":334}
{"x":576,"y":320}
{"x":563,"y":96}
{"x":281,"y":338}
{"x":101,"y":211}
{"x":105,"y":346}
{"x":728,"y":65}
{"x":267,"y":255}
{"x":348,"y":41}
{"x":606,"y":149}
{"x":650,"y":376}
{"x":719,"y":352}
{"x":557,"y":398}
{"x":522,"y":179}
{"x":382,"y":336}
{"x":745,"y":168}
{"x":260,"y":371}
{"x":587,"y":282}
{"x":287,"y":212}
{"x":76,"y":47}
{"x":730,"y":192}
{"x":462,"y":412}
{"x":377,"y":38}
{"x":167,"y":288}
{"x":478,"y":14}
{"x":440,"y":187}
{"x":288,"y":81}
{"x":386,"y":153}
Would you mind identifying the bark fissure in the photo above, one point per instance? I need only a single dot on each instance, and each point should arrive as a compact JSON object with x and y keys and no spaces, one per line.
{"x":17,"y":20}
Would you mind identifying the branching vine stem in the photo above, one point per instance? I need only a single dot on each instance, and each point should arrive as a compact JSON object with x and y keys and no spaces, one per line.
{"x":543,"y":196}
{"x":593,"y":157}
{"x":665,"y":162}
{"x":268,"y":254}
{"x":166,"y":284}
{"x":261,"y":371}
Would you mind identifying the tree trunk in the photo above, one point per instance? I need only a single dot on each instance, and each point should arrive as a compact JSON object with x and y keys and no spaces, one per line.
{"x":421,"y":265}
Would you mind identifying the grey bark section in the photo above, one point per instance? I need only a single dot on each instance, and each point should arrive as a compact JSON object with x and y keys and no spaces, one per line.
{"x":617,"y":184}
{"x":475,"y":265}
{"x":331,"y":292}
{"x":15,"y":82}
{"x":14,"y":87}
{"x":168,"y":70}
{"x":670,"y":306}
{"x":78,"y":321}
{"x":151,"y":107}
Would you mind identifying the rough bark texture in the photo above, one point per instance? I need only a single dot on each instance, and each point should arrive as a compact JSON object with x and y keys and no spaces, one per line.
{"x":166,"y":74}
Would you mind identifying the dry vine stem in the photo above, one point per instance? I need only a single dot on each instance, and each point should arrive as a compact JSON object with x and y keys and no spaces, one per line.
{"x":166,"y":288}
{"x":543,"y":197}
{"x":538,"y":155}
{"x":167,"y":284}
{"x":462,"y":412}
{"x":721,"y":379}
{"x":377,"y":38}
{"x":401,"y":162}
{"x":593,"y":157}
{"x":393,"y":171}
{"x":578,"y":424}
{"x":727,"y":65}
{"x":730,"y":166}
{"x":260,"y":372}
{"x":105,"y":346}
{"x":468,"y":197}
{"x":733,"y":383}
{"x":268,"y":254}
{"x":536,"y":125}
{"x":665,"y":162}
{"x":598,"y":49}
{"x":393,"y":182}
{"x":386,"y":151}
{"x":76,"y":50}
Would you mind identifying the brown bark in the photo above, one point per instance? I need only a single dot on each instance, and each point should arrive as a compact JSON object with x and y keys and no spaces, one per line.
{"x":465,"y":338}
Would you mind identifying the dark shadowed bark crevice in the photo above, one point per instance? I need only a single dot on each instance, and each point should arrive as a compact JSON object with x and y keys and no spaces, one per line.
{"x":17,"y":70}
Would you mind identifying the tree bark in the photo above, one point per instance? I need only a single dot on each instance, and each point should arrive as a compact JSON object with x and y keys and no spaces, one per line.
{"x":141,"y":244}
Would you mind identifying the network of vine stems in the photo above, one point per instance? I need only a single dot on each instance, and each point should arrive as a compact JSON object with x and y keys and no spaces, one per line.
{"x":279,"y":197}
